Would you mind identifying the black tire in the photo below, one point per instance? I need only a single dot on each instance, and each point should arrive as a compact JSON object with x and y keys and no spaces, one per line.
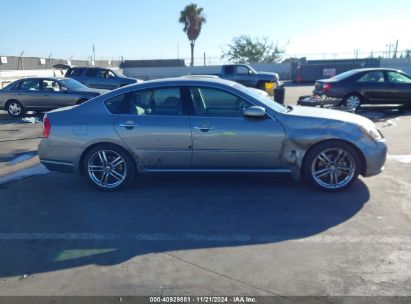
{"x":100,"y":175}
{"x":328,"y":169}
{"x":15,"y":108}
{"x":353,"y":100}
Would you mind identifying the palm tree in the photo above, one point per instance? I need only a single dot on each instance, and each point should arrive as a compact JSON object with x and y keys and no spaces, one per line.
{"x":193,"y":18}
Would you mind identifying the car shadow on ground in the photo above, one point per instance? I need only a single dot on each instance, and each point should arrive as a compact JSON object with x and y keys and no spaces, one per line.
{"x":168,"y":212}
{"x":382,"y":113}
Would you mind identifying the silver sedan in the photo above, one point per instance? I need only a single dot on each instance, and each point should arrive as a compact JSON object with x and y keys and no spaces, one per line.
{"x":192,"y":124}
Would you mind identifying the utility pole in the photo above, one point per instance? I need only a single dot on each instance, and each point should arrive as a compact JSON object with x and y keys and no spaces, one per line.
{"x":205,"y":63}
{"x":356,"y":51}
{"x":94,"y":54}
{"x":20,"y":62}
{"x":49,"y":61}
{"x":395,"y":50}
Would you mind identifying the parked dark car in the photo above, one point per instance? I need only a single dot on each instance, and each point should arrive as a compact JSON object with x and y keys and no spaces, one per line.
{"x":367,"y":86}
{"x":43,"y":94}
{"x":99,"y":78}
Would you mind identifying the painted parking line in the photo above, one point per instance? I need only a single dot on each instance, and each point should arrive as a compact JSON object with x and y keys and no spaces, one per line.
{"x":406,"y":159}
{"x":238,"y":238}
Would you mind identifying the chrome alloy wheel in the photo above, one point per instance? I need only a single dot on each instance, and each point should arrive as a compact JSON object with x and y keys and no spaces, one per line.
{"x":14,"y":108}
{"x":333,"y":168}
{"x":353,"y":101}
{"x":107,"y":169}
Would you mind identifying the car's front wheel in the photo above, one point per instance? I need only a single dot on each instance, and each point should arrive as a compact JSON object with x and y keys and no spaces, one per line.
{"x":108,"y":167}
{"x":15,"y":108}
{"x":331,"y":165}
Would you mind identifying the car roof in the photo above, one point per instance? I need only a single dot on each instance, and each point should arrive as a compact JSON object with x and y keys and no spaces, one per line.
{"x":86,"y":67}
{"x":187,"y":80}
{"x":46,"y":78}
{"x":376,"y":69}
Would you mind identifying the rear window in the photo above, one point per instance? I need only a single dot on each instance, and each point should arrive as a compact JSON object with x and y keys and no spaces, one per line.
{"x":74,"y":72}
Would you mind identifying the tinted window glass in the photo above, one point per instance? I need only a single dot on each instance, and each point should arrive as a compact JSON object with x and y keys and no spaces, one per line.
{"x":91,"y":73}
{"x":217,"y":103}
{"x":156,"y":102}
{"x":75,"y":72}
{"x":115,"y":104}
{"x":395,"y":77}
{"x":50,"y":86}
{"x":106,"y":74}
{"x":229,"y":70}
{"x":242,"y":70}
{"x":29,"y":85}
{"x":375,"y":76}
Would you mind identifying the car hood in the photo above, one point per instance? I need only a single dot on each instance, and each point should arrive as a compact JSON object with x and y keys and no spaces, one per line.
{"x":328,"y":114}
{"x":268,"y":74}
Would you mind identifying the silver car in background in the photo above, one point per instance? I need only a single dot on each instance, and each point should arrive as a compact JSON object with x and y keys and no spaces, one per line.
{"x":207,"y":125}
{"x":43,"y":94}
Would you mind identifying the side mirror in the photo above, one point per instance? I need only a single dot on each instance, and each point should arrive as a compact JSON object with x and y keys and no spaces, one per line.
{"x":254,"y":112}
{"x":63,"y":89}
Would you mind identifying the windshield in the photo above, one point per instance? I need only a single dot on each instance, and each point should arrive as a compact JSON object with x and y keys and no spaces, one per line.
{"x":118,"y":73}
{"x":345,"y":75}
{"x":267,"y":101}
{"x":72,"y":84}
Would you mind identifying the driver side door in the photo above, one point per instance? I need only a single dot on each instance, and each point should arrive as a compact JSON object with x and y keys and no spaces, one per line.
{"x":223,"y":139}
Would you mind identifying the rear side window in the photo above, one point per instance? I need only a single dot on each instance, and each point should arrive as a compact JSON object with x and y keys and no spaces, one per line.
{"x":75,"y":72}
{"x":166,"y":102}
{"x":116,"y":104}
{"x":28,"y":85}
{"x":375,"y":76}
{"x":91,"y":73}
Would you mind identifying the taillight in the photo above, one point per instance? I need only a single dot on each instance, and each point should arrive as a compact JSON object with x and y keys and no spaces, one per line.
{"x":326,"y":87}
{"x":46,"y":127}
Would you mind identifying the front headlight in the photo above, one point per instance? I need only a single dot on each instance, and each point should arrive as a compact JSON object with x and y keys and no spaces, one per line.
{"x":372,"y":132}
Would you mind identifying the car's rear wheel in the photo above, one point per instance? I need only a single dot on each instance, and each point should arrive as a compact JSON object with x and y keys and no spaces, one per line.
{"x":352,"y":101}
{"x":15,"y":108}
{"x":109,"y":167}
{"x":331,"y":165}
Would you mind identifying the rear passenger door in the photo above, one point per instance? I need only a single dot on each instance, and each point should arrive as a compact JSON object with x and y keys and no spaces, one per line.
{"x":155,"y":126}
{"x":29,"y":93}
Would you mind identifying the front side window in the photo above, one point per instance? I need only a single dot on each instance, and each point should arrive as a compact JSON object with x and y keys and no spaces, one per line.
{"x":217,"y":103}
{"x":376,"y":76}
{"x":165,"y":101}
{"x":243,"y":70}
{"x":106,"y":74}
{"x":395,"y":77}
{"x":50,"y":85}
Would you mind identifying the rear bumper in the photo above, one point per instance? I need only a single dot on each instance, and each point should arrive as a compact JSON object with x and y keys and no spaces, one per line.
{"x":59,"y":166}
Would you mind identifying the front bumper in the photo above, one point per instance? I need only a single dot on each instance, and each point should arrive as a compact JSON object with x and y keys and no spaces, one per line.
{"x":375,"y":158}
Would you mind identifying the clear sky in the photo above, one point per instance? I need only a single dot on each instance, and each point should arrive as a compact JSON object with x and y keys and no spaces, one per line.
{"x":144,"y":29}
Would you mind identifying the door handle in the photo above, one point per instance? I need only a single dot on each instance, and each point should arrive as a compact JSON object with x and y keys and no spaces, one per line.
{"x":128,"y":125}
{"x":204,"y":128}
